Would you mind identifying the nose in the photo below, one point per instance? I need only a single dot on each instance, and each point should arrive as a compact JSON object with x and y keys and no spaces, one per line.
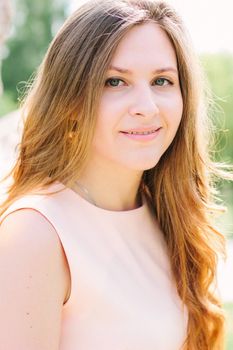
{"x":144,"y":102}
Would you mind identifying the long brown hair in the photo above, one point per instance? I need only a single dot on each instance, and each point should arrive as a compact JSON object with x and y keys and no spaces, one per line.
{"x":61,"y":107}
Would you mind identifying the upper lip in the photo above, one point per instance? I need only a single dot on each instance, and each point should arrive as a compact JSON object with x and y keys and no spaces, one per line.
{"x":142,"y":129}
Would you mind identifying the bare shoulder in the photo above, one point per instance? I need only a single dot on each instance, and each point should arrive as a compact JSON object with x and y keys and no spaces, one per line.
{"x":34,"y":279}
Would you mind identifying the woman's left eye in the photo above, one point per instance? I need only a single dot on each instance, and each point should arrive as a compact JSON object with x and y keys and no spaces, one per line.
{"x":162,"y":82}
{"x":113,"y":82}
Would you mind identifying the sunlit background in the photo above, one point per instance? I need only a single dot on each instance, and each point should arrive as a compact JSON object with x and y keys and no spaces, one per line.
{"x":210,"y":25}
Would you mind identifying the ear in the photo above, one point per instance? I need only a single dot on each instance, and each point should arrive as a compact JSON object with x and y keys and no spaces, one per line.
{"x":73,"y":128}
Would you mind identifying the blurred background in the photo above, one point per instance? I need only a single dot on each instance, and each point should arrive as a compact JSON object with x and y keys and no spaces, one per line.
{"x":33,"y":25}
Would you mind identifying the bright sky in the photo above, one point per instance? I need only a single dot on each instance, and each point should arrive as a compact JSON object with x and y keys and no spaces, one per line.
{"x":209,"y":22}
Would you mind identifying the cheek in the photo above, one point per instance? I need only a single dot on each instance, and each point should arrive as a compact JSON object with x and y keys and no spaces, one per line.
{"x":106,"y":129}
{"x":109,"y":117}
{"x":174,"y":112}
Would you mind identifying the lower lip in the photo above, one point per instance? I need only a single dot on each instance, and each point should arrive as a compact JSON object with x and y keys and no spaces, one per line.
{"x":138,"y":137}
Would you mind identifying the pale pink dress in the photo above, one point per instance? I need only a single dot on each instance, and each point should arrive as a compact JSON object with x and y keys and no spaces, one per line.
{"x":122,"y":293}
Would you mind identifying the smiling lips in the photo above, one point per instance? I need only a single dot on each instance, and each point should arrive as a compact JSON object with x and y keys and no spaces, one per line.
{"x":142,"y":131}
{"x":139,"y":133}
{"x":142,"y":134}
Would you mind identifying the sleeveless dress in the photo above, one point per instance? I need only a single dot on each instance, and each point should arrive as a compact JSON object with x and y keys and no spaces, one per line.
{"x":122,"y":294}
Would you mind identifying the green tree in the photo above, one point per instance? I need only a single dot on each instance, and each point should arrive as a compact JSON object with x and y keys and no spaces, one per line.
{"x":34,"y":26}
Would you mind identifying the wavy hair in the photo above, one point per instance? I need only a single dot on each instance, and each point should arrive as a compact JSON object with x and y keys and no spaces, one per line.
{"x":60,"y":112}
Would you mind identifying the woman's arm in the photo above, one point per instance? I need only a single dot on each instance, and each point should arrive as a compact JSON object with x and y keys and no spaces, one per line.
{"x":33,"y":282}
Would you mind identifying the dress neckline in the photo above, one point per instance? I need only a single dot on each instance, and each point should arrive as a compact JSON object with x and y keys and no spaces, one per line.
{"x":118,"y":213}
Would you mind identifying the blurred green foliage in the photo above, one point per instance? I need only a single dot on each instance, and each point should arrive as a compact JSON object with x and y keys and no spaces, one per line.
{"x":219,"y":70}
{"x":34,"y":25}
{"x":7,"y":103}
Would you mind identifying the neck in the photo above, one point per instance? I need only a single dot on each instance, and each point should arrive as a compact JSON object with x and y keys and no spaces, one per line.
{"x":110,"y":190}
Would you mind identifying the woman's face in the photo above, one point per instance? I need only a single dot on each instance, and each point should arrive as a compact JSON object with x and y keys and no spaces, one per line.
{"x":141,"y":93}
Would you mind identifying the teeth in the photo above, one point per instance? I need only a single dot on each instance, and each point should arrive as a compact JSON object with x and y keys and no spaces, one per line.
{"x":141,"y":133}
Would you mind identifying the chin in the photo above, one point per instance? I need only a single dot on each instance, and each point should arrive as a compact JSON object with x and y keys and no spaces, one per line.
{"x":142,"y":166}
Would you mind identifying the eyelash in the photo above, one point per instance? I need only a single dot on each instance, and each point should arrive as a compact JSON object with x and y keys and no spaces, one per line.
{"x":110,"y":79}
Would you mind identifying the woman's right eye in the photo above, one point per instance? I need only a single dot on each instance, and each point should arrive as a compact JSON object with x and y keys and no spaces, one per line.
{"x":112,"y":82}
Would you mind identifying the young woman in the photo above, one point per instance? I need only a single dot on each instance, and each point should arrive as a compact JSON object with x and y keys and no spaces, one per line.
{"x":106,"y":239}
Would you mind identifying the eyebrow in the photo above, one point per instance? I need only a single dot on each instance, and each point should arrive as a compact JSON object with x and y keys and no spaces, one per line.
{"x":157,"y":71}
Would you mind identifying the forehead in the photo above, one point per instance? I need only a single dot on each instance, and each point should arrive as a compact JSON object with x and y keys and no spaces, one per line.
{"x":145,"y":46}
